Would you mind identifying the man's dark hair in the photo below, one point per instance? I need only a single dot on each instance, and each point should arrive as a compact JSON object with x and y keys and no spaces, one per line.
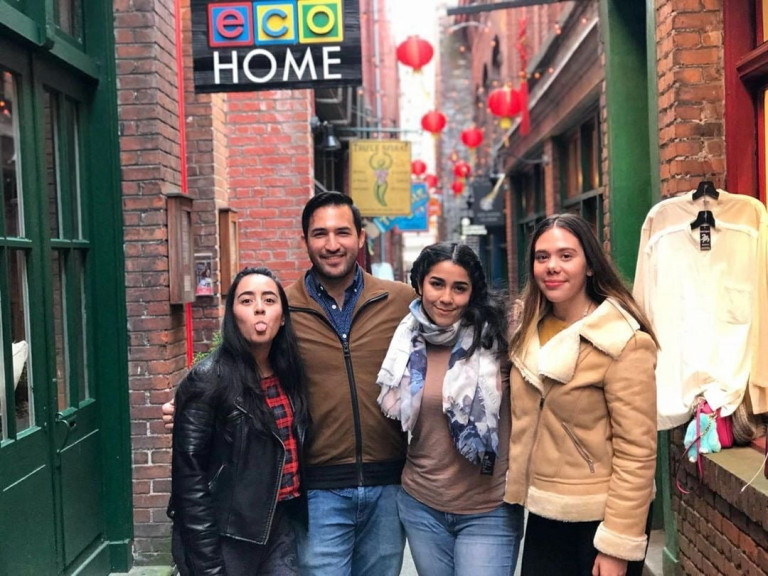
{"x":329,"y":199}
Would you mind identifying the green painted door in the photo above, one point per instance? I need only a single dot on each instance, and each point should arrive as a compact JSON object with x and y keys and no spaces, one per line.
{"x":51,"y":482}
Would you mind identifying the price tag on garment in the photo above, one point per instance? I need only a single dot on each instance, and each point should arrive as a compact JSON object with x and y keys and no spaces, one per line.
{"x":705,"y":237}
{"x":486,"y":465}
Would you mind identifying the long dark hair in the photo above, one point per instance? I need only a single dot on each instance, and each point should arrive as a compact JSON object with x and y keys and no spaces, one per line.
{"x":602,"y":283}
{"x":239,"y":379}
{"x":485,"y":311}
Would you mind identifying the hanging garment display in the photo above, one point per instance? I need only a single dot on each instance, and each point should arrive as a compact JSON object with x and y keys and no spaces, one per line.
{"x":701,"y":278}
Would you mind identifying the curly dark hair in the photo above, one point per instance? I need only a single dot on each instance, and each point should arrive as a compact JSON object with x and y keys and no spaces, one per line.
{"x":486,"y":310}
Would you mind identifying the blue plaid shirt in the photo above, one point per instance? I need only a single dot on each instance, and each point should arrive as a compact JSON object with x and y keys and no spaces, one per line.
{"x":341,"y":319}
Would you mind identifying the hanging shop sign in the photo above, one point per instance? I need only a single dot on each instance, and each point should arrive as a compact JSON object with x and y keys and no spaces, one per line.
{"x":275,"y":44}
{"x":488,"y":202}
{"x":417,"y":220}
{"x":380,"y":177}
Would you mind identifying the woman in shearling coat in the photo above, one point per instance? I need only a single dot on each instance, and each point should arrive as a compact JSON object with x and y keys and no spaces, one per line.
{"x":583,"y":396}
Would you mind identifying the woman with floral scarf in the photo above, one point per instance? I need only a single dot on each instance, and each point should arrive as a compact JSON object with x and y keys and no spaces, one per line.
{"x":442,"y":379}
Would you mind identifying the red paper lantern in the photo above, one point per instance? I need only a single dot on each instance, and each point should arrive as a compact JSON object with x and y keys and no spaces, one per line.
{"x":433,"y":122}
{"x":462,"y":170}
{"x":418,"y":167}
{"x":457,"y":187}
{"x":505,"y":103}
{"x":431,"y":181}
{"x":414,"y":52}
{"x":472,"y":137}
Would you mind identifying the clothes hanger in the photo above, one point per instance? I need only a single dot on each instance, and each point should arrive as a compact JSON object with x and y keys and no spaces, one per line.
{"x":706,"y":188}
{"x":702,"y":218}
{"x":705,"y":217}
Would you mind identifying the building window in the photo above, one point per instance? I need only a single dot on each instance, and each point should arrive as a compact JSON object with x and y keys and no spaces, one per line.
{"x":580,"y":185}
{"x":529,"y":188}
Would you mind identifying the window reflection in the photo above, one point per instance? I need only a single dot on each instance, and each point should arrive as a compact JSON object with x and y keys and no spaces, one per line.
{"x":21,"y":408}
{"x":69,"y":12}
{"x":67,"y":262}
{"x":51,"y":163}
{"x":79,"y":321}
{"x":8,"y":157}
{"x":20,"y":346}
{"x":16,"y":391}
{"x":59,"y":330}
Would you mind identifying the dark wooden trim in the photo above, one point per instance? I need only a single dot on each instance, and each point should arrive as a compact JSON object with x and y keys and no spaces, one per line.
{"x":761,"y":176}
{"x":229,"y":249}
{"x":754,"y":64}
{"x":181,"y":255}
{"x":740,"y":110}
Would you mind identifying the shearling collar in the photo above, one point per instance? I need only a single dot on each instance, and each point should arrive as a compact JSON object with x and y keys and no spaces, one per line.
{"x":608,"y":329}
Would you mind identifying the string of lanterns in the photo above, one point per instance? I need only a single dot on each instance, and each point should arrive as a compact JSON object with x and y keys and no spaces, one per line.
{"x":503,"y":102}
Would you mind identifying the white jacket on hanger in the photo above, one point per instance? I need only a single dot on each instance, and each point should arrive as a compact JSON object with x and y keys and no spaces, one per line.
{"x":704,"y":304}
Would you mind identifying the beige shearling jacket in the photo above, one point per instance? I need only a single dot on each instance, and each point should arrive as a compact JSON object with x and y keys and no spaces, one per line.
{"x":583,"y":439}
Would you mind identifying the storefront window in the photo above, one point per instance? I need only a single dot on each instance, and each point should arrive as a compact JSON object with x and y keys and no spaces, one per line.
{"x":581,"y":193}
{"x":69,"y":17}
{"x":528,"y":186}
{"x":16,"y":397}
{"x":68,"y":249}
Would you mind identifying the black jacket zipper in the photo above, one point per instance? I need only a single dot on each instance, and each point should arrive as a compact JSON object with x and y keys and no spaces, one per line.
{"x":350,"y":379}
{"x":280,"y":465}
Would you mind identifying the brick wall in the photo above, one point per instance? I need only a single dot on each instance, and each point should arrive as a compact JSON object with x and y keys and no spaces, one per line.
{"x":207,"y":153}
{"x":691,"y":92}
{"x":149,"y":139}
{"x":605,"y":161}
{"x":455,"y":99}
{"x":270,"y":169}
{"x":251,"y":152}
{"x":722,"y":529}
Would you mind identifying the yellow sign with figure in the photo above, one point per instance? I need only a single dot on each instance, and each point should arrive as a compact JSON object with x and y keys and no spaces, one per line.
{"x":380,"y":177}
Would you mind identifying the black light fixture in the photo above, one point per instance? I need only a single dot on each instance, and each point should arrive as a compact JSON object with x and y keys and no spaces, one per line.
{"x":330,"y":142}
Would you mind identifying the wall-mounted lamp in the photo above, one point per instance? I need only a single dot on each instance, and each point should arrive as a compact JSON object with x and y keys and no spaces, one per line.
{"x":329,"y":140}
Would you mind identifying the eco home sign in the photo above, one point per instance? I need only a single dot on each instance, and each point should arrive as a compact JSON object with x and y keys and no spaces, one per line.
{"x":275,"y":44}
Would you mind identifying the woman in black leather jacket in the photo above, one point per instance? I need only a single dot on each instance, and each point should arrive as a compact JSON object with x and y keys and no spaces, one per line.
{"x":241,"y":416}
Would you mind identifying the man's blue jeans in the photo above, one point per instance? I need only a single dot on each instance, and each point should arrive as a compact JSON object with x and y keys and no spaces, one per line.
{"x":461,"y":544}
{"x":352,"y":532}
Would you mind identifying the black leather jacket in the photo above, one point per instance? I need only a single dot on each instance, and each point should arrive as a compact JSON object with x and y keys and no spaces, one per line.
{"x":226,"y":473}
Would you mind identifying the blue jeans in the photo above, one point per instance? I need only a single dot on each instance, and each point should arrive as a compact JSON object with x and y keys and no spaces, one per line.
{"x":444,"y":544}
{"x":352,"y":531}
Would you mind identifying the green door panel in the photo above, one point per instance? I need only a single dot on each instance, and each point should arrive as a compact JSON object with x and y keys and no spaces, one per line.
{"x":27,"y":540}
{"x":81,"y":495}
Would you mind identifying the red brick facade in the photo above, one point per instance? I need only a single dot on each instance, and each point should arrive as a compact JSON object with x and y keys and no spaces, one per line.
{"x":722,"y":527}
{"x":689,"y":36}
{"x":149,"y":137}
{"x":249,"y":152}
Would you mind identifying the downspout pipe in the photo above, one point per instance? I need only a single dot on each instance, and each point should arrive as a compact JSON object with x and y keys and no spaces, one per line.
{"x":377,"y":88}
{"x":183,"y":155}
